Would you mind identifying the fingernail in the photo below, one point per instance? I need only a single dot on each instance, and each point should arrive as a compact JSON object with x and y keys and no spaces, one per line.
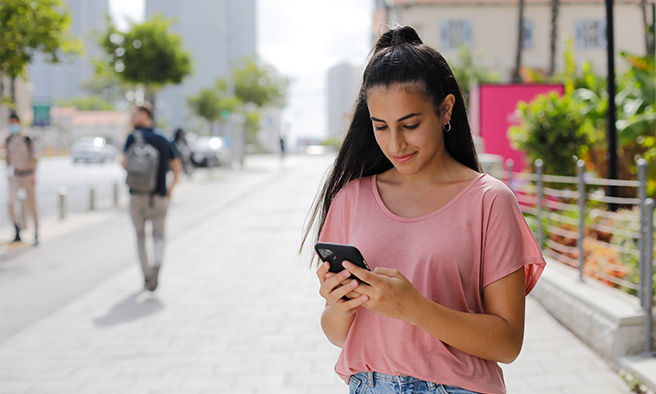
{"x":354,"y":283}
{"x":346,"y":274}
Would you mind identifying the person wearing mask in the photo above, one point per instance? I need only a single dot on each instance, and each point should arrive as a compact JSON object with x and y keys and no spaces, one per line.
{"x":22,"y":158}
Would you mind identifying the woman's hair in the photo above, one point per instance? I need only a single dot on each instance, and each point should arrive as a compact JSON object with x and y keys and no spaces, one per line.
{"x":398,"y":57}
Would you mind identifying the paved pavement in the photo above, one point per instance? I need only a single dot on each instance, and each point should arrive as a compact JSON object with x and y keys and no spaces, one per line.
{"x":237,"y":312}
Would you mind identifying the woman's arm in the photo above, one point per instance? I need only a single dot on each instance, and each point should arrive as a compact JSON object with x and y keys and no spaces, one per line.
{"x":496,"y":335}
{"x":339,"y":312}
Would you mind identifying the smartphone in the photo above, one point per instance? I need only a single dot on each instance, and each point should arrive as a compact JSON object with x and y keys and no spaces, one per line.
{"x":336,"y":253}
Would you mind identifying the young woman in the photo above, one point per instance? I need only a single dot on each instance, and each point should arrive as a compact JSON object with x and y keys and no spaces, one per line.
{"x":452,"y":257}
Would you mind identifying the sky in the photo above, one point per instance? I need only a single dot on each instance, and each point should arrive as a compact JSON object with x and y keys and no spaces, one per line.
{"x":302,"y":39}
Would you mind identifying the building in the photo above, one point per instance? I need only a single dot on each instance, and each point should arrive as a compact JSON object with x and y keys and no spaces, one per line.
{"x":342,"y":89}
{"x":489,"y":29}
{"x":65,"y":80}
{"x":217,"y":34}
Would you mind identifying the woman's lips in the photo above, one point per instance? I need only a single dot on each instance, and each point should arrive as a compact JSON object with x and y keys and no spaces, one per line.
{"x":403,"y":159}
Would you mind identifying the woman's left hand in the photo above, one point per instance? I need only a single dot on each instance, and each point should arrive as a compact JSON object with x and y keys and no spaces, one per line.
{"x":390,"y":293}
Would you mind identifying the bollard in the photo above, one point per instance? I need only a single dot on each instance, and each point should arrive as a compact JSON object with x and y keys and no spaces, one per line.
{"x":642,"y":197}
{"x":580,"y":172}
{"x":647,"y":270}
{"x":116,"y":195}
{"x":63,"y":192}
{"x":92,"y":198}
{"x":539,"y":167}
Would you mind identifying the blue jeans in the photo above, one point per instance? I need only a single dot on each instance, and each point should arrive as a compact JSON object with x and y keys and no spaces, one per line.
{"x":380,"y":383}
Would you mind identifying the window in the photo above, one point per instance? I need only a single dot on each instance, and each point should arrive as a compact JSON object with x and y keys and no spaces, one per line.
{"x":456,"y":33}
{"x":528,"y":42}
{"x":590,"y":33}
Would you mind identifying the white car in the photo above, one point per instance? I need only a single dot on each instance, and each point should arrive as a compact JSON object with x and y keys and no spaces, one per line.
{"x":93,"y":149}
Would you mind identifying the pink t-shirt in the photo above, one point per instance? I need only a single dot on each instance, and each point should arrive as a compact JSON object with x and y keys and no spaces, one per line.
{"x":450,"y":256}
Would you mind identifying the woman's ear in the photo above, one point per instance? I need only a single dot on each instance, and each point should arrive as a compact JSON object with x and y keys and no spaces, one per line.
{"x":446,"y":108}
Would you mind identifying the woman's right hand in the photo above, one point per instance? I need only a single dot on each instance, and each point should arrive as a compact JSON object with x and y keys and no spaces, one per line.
{"x":339,"y":292}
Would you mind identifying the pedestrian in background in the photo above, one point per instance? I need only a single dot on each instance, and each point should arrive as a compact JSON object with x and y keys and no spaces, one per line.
{"x":22,"y":158}
{"x":151,"y":206}
{"x":182,"y":145}
{"x":451,"y":254}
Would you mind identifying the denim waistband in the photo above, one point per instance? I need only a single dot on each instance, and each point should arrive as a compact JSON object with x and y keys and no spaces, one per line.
{"x":372,"y":377}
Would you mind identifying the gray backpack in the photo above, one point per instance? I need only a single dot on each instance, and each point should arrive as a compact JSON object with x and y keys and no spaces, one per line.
{"x":142,"y":164}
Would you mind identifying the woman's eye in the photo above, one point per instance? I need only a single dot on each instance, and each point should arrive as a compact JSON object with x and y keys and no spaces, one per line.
{"x":378,"y":128}
{"x":412,"y":126}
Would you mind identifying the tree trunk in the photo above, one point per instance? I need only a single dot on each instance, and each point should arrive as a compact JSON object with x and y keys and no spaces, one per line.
{"x":649,"y":37}
{"x":12,"y":93}
{"x":516,"y":78}
{"x":553,"y":39}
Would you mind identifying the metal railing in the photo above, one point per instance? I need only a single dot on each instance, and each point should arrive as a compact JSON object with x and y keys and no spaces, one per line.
{"x":562,"y":209}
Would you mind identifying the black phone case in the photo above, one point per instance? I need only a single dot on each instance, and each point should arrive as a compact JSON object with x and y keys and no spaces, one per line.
{"x":336,"y":253}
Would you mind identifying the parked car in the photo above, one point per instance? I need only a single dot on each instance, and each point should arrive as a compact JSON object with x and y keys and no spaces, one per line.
{"x":210,"y":152}
{"x":92,"y":149}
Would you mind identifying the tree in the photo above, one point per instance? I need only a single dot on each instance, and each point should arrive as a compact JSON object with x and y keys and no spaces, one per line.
{"x":553,"y":37}
{"x":147,"y":55}
{"x":213,"y":104}
{"x":256,"y":85}
{"x":468,"y":72}
{"x":516,"y":77}
{"x":260,"y":84}
{"x":30,"y":27}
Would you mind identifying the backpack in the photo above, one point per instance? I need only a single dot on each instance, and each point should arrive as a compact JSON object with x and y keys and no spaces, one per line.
{"x":142,"y":164}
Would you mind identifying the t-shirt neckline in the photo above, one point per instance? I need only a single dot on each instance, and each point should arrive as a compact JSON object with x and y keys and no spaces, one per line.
{"x":393,"y":216}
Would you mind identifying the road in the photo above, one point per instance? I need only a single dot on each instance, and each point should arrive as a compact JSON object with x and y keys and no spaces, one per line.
{"x":53,"y":173}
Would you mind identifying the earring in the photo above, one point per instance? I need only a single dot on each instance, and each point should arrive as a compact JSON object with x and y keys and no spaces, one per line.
{"x":447,"y":127}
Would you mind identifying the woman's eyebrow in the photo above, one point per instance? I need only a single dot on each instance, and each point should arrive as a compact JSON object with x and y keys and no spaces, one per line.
{"x":410,"y":115}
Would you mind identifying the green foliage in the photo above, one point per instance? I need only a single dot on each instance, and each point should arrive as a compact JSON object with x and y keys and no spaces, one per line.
{"x":468,"y":72}
{"x":31,"y":26}
{"x":257,"y":85}
{"x":87,"y":103}
{"x":555,"y":130}
{"x":212,"y":103}
{"x":586,"y":99}
{"x":260,"y":84}
{"x":147,"y":54}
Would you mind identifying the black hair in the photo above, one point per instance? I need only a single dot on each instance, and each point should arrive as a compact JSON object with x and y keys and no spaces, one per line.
{"x":14,"y":116}
{"x":178,"y":134}
{"x":399,"y":56}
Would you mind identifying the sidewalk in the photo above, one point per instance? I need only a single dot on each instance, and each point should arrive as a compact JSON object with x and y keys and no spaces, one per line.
{"x":238,"y":310}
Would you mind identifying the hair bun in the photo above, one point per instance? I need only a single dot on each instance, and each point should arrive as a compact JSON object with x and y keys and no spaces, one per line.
{"x":397,"y":36}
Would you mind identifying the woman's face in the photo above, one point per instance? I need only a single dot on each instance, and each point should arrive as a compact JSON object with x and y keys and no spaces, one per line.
{"x":406,"y":127}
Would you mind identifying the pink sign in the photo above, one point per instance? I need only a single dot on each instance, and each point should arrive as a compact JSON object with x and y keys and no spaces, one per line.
{"x":492,"y":112}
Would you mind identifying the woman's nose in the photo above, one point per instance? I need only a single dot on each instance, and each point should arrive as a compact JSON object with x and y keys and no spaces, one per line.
{"x":396,"y":142}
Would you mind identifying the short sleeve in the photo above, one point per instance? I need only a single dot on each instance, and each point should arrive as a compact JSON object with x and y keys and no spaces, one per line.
{"x":175,"y":152}
{"x":509,"y":243}
{"x":334,"y":228}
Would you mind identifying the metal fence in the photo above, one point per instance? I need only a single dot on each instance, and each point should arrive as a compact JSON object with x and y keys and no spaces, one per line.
{"x":573,"y":222}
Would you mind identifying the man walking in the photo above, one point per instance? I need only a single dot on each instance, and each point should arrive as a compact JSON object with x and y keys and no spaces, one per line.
{"x":145,"y":204}
{"x":22,"y":157}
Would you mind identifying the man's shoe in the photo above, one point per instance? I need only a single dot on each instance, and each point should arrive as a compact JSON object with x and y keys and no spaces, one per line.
{"x":36,"y":239}
{"x":152,"y":281}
